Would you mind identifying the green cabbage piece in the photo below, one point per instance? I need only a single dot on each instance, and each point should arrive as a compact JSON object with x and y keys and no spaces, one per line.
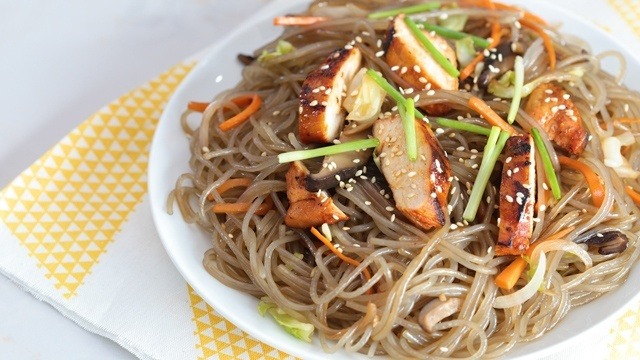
{"x":283,"y":47}
{"x":465,"y":51}
{"x":454,"y":22}
{"x":297,"y":328}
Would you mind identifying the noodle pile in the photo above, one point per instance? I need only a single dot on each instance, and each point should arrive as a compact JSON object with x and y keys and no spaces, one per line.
{"x":259,"y":255}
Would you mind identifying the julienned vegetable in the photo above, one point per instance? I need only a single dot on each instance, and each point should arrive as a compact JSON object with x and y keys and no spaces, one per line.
{"x":461,"y":125}
{"x":420,"y":8}
{"x":517,"y":91}
{"x":524,"y":294}
{"x":393,"y":92}
{"x":328,"y":150}
{"x":547,"y":163}
{"x":341,"y":256}
{"x":488,"y":114}
{"x":283,"y":47}
{"x":456,"y":35}
{"x":408,"y":116}
{"x":593,"y":180}
{"x":433,"y":50}
{"x":293,"y":326}
{"x":492,"y":150}
{"x":508,"y":277}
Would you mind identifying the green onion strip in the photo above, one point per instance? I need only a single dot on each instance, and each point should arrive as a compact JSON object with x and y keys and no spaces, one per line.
{"x":432,"y":49}
{"x":408,"y":116}
{"x":328,"y":150}
{"x":495,"y":144}
{"x":547,"y":163}
{"x":391,"y":91}
{"x":456,"y":35}
{"x":415,"y":9}
{"x":461,"y":125}
{"x":517,"y":89}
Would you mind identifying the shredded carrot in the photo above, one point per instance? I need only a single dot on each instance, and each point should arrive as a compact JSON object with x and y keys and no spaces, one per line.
{"x":298,"y":20}
{"x":500,"y":6}
{"x":230,"y":184}
{"x":628,"y":120}
{"x":633,"y":194}
{"x":341,"y":256}
{"x":593,"y":180}
{"x":200,"y":106}
{"x":509,"y":276}
{"x":548,"y":43}
{"x":197,"y":106}
{"x":488,"y":114}
{"x":242,"y":207}
{"x":496,"y":34}
{"x":242,"y":116}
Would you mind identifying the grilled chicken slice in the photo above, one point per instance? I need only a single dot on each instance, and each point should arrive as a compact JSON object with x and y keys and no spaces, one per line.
{"x":307,"y":209}
{"x":517,"y":195}
{"x":420,"y":188}
{"x":551,"y":106}
{"x":321,"y":115}
{"x":415,"y":64}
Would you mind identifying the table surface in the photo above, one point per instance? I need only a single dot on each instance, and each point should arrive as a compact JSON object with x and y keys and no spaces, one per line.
{"x":60,"y":62}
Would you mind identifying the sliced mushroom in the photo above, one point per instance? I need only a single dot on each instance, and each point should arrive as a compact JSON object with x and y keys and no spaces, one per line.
{"x":307,"y":209}
{"x":340,"y":167}
{"x":498,"y":62}
{"x":321,"y":115}
{"x":610,"y":242}
{"x":437,"y":310}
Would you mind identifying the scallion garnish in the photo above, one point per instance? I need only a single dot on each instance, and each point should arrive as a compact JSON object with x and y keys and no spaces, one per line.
{"x":518,"y":68}
{"x":461,"y":125}
{"x":432,"y":49}
{"x":547,"y":163}
{"x":495,"y":144}
{"x":415,"y":9}
{"x":393,"y":92}
{"x":456,"y":35}
{"x":408,"y":116}
{"x":328,"y":150}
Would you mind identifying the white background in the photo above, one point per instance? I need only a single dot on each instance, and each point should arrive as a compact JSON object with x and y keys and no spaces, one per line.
{"x":62,"y":60}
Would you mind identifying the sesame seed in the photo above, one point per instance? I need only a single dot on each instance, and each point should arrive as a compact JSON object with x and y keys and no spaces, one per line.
{"x":509,"y":198}
{"x":431,"y":92}
{"x":379,"y":43}
{"x":324,"y":67}
{"x":416,"y":68}
{"x":516,"y":170}
{"x":439,"y":131}
{"x":548,"y":91}
{"x":393,"y":217}
{"x":543,"y":208}
{"x":395,"y":68}
{"x":460,"y":148}
{"x":313,"y":103}
{"x":356,"y":161}
{"x":403,"y":70}
{"x":433,"y":195}
{"x":358,"y":39}
{"x":545,"y":186}
{"x":389,"y":208}
{"x":508,"y":160}
{"x":367,"y":203}
{"x":379,"y":53}
{"x":412,"y":174}
{"x":335,"y":217}
{"x":453,"y":226}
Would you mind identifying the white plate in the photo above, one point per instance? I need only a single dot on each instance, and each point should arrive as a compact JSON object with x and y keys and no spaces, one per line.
{"x":186,"y":244}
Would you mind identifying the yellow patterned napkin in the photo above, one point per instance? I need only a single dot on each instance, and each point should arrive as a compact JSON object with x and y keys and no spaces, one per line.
{"x":76,"y":231}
